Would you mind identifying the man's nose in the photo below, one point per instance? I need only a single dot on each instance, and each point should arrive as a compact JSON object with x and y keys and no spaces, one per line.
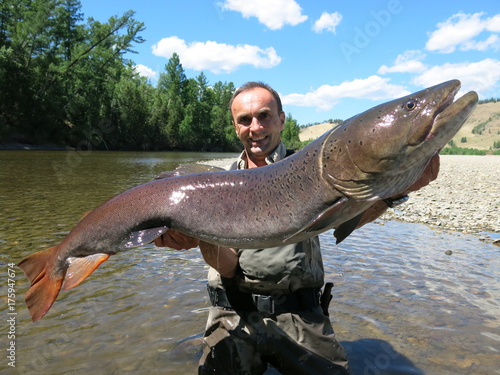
{"x":255,"y":125}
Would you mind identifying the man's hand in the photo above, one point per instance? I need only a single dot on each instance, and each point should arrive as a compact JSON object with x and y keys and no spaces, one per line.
{"x":223,"y":259}
{"x":430,"y":174}
{"x":176,"y":240}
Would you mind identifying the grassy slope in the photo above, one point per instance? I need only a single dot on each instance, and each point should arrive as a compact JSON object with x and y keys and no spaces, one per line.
{"x":488,"y":113}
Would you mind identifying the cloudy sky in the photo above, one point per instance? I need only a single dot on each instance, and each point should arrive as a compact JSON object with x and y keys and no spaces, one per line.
{"x":328,"y":59}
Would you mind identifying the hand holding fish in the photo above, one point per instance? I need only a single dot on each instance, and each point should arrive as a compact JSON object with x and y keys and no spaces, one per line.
{"x":223,"y":259}
{"x":429,"y":175}
{"x":176,"y":240}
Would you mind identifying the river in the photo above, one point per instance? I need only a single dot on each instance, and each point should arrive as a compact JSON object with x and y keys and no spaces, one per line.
{"x":400,"y":304}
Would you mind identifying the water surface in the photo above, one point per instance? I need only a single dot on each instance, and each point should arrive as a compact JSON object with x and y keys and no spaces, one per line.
{"x":400,"y":305}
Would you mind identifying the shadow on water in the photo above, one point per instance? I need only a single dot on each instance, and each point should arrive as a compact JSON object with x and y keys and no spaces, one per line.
{"x":367,"y":357}
{"x":378,"y":357}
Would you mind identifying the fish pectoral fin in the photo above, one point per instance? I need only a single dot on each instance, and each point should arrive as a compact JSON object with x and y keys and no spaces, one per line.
{"x":145,"y":236}
{"x":45,"y":286}
{"x":323,"y":221}
{"x":345,"y":229}
{"x":188,"y":168}
{"x":80,"y":268}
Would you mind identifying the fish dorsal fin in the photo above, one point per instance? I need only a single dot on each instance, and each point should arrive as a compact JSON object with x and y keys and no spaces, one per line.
{"x":143,"y":237}
{"x":80,"y":268}
{"x":189,"y":168}
{"x":323,"y":221}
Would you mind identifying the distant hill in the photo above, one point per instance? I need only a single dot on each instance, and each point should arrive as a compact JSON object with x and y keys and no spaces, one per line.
{"x":485,"y":122}
{"x":480,"y":131}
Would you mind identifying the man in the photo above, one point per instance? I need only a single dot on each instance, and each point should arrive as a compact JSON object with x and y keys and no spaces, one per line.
{"x":265,"y":302}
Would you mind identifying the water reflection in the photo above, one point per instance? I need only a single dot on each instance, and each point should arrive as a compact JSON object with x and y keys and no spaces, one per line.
{"x":401,"y":305}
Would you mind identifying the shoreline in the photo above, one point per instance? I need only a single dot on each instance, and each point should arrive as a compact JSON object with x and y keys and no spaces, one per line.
{"x":30,"y":147}
{"x":464,"y":198}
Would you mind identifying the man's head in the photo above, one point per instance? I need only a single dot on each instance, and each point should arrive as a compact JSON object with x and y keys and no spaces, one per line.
{"x":258,"y":118}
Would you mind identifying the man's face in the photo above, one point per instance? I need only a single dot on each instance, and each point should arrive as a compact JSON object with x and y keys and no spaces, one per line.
{"x":257,"y":122}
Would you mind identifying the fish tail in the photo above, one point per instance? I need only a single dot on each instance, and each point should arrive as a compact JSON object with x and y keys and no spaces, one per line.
{"x":45,"y":286}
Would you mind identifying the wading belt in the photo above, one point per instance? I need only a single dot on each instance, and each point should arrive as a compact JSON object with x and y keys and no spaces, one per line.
{"x":299,"y":301}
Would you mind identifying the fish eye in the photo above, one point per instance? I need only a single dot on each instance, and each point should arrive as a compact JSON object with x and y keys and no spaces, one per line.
{"x":410,"y":104}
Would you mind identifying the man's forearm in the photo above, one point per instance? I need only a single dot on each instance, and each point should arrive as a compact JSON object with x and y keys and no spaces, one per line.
{"x":223,"y":259}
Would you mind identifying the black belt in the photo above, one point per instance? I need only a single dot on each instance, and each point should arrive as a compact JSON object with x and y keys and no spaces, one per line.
{"x":300,"y":300}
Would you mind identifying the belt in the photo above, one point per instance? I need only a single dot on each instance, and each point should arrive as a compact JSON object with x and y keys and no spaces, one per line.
{"x":298,"y":301}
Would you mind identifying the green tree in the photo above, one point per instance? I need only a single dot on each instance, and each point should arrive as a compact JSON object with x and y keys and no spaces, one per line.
{"x":57,"y":74}
{"x":224,"y":135}
{"x":195,"y":129}
{"x":172,"y":84}
{"x":290,"y":134}
{"x":131,"y":109}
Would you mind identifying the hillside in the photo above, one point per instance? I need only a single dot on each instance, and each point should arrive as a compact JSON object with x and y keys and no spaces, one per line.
{"x":487,"y":115}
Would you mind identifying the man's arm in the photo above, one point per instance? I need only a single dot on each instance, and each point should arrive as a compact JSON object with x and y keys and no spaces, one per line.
{"x":223,"y":259}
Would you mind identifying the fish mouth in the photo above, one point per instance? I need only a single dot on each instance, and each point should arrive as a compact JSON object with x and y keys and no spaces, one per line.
{"x":450,"y":116}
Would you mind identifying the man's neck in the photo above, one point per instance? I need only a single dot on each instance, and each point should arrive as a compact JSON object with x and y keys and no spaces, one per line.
{"x":253,"y":162}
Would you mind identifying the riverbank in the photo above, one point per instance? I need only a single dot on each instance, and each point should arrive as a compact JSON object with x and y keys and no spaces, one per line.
{"x":465,"y":197}
{"x":27,"y":146}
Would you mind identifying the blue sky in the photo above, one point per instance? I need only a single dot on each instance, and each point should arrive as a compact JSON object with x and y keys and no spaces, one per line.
{"x":327,"y":59}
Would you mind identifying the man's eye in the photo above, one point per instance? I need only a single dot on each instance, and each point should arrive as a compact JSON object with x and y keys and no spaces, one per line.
{"x":245,"y":121}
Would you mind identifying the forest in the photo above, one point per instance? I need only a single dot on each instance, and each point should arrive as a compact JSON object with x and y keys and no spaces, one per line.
{"x":65,"y":80}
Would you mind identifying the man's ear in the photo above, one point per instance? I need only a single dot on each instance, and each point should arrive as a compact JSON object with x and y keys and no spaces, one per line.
{"x":282,"y":118}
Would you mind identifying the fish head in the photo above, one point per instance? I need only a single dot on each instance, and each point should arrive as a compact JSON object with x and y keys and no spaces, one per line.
{"x":394,"y":141}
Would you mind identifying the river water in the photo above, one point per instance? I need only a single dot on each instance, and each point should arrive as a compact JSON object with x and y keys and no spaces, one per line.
{"x":400,"y":304}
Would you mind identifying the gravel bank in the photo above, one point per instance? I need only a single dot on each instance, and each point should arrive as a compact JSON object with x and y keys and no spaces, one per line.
{"x":465,"y":197}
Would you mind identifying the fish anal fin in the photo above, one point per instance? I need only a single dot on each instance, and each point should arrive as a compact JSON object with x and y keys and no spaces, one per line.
{"x":323,"y":221}
{"x":80,"y":268}
{"x":345,"y":229}
{"x":45,"y":286}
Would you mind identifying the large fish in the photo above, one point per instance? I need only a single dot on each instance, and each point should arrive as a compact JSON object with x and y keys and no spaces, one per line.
{"x":374,"y":155}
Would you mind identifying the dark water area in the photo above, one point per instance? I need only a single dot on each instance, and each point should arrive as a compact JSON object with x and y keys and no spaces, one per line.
{"x":400,"y":304}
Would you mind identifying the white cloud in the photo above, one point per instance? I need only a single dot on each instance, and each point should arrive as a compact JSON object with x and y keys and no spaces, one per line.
{"x":144,"y":71}
{"x":325,"y":97}
{"x":407,"y":62}
{"x":482,"y":76}
{"x":459,"y":31}
{"x":273,"y":13}
{"x":493,"y":42}
{"x":216,"y":57}
{"x":328,"y":22}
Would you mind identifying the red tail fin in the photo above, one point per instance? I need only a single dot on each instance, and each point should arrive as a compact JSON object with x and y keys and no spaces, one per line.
{"x":45,"y":285}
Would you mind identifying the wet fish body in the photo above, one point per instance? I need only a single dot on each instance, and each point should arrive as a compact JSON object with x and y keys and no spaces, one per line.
{"x":374,"y":155}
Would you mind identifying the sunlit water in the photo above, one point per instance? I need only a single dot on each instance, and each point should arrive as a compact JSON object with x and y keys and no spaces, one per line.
{"x":400,"y":305}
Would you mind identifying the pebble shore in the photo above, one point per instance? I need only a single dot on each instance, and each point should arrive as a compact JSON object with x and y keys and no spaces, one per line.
{"x":465,"y":197}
